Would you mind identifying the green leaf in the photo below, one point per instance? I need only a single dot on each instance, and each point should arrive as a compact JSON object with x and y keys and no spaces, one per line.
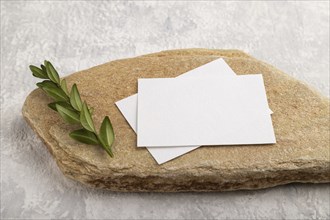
{"x":52,"y":73}
{"x":63,"y":104}
{"x":84,"y":136}
{"x":109,"y":151}
{"x":53,"y":90}
{"x":52,"y":106}
{"x":44,"y":69}
{"x":75,"y":99}
{"x":55,"y":93}
{"x":37,"y":72}
{"x":46,"y":83}
{"x":91,"y":110}
{"x":106,"y":132}
{"x":64,"y":86}
{"x":68,"y":115}
{"x":86,"y":118}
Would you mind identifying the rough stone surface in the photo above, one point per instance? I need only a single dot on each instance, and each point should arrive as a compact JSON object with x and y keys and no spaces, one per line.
{"x":300,"y":119}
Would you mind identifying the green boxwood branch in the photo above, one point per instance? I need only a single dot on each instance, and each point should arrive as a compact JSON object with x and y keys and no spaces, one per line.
{"x":71,"y":108}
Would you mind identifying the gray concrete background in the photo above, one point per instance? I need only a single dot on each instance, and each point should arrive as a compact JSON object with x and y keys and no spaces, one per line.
{"x":74,"y":35}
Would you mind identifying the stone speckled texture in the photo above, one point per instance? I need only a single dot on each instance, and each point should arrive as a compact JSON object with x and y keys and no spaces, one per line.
{"x":300,"y":120}
{"x":76,"y":35}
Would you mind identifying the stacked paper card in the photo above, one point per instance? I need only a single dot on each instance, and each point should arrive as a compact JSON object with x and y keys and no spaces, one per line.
{"x":209,"y":105}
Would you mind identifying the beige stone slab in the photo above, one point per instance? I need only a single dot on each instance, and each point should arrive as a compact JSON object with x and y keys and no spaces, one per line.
{"x":301,"y":123}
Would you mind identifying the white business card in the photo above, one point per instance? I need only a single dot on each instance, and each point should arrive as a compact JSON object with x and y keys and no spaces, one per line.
{"x":203,"y":111}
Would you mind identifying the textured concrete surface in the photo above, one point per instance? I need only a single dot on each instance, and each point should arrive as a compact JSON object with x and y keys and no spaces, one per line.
{"x":293,"y":36}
